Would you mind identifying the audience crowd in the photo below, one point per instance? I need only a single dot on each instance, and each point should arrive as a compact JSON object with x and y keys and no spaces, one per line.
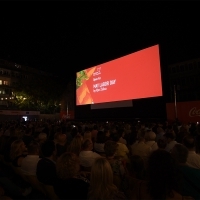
{"x":99,"y":160}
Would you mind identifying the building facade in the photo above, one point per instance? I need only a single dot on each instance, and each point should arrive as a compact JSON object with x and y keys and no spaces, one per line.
{"x":10,"y":74}
{"x":184,"y":79}
{"x":183,"y":101}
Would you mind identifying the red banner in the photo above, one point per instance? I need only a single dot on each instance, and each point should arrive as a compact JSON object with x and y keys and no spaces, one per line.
{"x":186,"y":111}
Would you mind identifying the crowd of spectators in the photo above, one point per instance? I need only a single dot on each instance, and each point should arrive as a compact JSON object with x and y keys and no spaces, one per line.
{"x":99,"y":160}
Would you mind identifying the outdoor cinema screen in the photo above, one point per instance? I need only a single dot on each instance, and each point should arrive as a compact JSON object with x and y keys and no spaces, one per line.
{"x":133,"y":76}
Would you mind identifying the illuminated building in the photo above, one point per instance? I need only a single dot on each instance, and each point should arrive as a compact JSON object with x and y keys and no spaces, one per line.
{"x":10,"y":74}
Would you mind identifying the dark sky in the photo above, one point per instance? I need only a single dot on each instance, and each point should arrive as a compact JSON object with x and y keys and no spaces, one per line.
{"x":64,"y":37}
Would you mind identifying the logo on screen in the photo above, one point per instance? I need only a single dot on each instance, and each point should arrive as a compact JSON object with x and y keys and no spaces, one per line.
{"x":98,"y":72}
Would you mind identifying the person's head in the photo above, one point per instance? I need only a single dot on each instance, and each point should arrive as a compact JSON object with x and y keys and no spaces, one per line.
{"x":161,"y":143}
{"x":42,"y":137}
{"x":75,"y":145}
{"x":101,"y":180}
{"x":67,"y":166}
{"x":17,"y":148}
{"x":87,"y":145}
{"x":74,"y":131}
{"x":101,"y":172}
{"x":189,"y":142}
{"x":150,"y":136}
{"x":115,"y":136}
{"x":60,"y":138}
{"x":121,"y":132}
{"x":180,"y":153}
{"x":87,"y":135}
{"x":141,"y":134}
{"x":95,"y":127}
{"x":170,"y":136}
{"x":160,"y":130}
{"x":101,"y":138}
{"x":33,"y":148}
{"x":107,"y":132}
{"x":161,"y":174}
{"x":110,"y":148}
{"x":48,"y":148}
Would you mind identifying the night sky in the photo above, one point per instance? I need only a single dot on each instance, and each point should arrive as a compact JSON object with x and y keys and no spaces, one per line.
{"x":65,"y":37}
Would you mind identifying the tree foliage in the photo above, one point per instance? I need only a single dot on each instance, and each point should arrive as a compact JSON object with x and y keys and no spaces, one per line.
{"x":39,"y":93}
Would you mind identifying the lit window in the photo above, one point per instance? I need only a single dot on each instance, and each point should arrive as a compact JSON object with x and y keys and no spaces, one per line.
{"x":5,"y":82}
{"x":0,"y":82}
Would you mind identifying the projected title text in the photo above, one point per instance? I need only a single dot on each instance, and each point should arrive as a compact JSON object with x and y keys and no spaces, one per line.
{"x":99,"y":87}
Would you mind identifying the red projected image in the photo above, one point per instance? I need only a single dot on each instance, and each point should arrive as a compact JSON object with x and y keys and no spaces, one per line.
{"x":134,"y":76}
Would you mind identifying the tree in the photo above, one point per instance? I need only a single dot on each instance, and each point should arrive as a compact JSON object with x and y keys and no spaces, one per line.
{"x":39,"y":93}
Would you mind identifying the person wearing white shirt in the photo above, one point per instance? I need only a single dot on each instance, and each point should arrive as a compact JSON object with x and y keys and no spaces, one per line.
{"x":150,"y":138}
{"x":29,"y":163}
{"x":140,"y":148}
{"x":170,"y":137}
{"x":193,"y":159}
{"x":87,"y":156}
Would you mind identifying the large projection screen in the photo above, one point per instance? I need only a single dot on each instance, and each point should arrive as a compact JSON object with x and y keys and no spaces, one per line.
{"x":133,"y":76}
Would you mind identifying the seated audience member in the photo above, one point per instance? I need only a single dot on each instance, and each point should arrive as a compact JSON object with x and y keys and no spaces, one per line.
{"x":94,"y":133}
{"x":27,"y":137}
{"x":140,"y":148}
{"x":70,"y":185}
{"x":75,"y":145}
{"x":29,"y":163}
{"x":100,"y":142}
{"x":60,"y":140}
{"x":116,"y":164}
{"x":121,"y":132}
{"x":18,"y":152}
{"x":193,"y":159}
{"x":189,"y":176}
{"x":46,"y":167}
{"x":107,"y":134}
{"x":42,"y":137}
{"x":170,"y":137}
{"x":137,"y":167}
{"x":182,"y":132}
{"x":150,"y":138}
{"x":11,"y":189}
{"x":7,"y":148}
{"x":74,"y":131}
{"x":160,"y":133}
{"x":101,"y":182}
{"x":160,"y":181}
{"x":87,"y":135}
{"x":162,"y":143}
{"x":122,"y":150}
{"x":87,"y":156}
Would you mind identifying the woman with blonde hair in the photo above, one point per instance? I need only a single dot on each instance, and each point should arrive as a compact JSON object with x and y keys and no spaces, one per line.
{"x":18,"y":152}
{"x":75,"y":145}
{"x":101,"y":182}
